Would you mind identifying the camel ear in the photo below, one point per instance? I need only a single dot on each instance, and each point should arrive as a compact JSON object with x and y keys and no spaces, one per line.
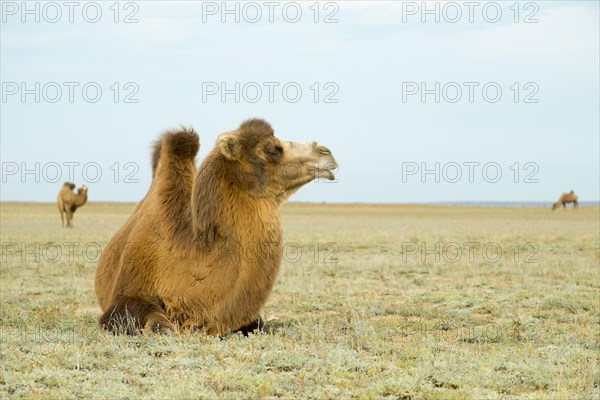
{"x":230,"y":147}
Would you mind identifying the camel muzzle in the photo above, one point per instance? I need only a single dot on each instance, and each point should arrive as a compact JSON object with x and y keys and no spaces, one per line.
{"x":326,"y":165}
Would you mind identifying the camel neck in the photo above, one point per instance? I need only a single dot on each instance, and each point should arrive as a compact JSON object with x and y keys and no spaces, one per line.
{"x":80,"y":199}
{"x":223,"y":210}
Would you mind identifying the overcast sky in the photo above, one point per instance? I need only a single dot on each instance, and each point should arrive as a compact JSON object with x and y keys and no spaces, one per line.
{"x":497,"y":102}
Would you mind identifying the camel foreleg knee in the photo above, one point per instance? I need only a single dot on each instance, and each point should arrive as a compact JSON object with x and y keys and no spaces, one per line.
{"x":131,"y":316}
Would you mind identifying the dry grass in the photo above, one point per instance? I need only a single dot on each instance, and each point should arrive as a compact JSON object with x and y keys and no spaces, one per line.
{"x":361,"y":312}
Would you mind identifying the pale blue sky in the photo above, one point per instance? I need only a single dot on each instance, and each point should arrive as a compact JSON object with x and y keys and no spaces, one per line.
{"x":368,"y":54}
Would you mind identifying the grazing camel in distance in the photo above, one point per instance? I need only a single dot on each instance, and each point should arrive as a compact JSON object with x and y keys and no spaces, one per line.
{"x":566,"y":198}
{"x":202,"y":249}
{"x":68,"y":201}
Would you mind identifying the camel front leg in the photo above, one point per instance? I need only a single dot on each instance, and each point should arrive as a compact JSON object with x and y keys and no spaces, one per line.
{"x":62,"y":218}
{"x":133,"y":315}
{"x":69,"y":218}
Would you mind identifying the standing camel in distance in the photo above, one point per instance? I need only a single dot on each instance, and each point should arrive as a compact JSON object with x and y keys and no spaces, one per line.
{"x":68,"y":201}
{"x":566,"y":198}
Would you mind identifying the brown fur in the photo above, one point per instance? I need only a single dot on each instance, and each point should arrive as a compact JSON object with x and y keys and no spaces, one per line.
{"x":68,"y":201}
{"x":203,"y":248}
{"x":566,"y":198}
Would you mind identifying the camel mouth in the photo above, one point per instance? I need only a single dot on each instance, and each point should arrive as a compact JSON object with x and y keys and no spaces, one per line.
{"x":325,"y":168}
{"x":330,"y":171}
{"x":328,"y":175}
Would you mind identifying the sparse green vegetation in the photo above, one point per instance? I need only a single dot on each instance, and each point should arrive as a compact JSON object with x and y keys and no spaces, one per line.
{"x":373,"y":301}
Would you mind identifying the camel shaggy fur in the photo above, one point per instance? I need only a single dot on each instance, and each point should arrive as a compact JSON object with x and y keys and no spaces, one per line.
{"x":566,"y":198}
{"x":67,"y":202}
{"x":202,"y":249}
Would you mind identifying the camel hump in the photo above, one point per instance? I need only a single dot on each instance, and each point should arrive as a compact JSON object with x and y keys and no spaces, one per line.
{"x":177,"y":145}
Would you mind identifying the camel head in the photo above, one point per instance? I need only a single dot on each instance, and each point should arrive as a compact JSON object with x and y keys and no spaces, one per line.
{"x":266,"y":166}
{"x":82,"y":190}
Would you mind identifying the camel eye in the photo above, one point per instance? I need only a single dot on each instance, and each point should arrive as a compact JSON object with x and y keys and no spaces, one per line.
{"x":275,"y":152}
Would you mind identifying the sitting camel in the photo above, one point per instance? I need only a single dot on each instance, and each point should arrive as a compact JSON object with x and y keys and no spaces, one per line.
{"x":202,"y":249}
{"x":566,"y":198}
{"x":67,"y":201}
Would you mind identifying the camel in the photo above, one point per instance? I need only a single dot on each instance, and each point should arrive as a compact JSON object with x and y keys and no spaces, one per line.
{"x":202,"y":249}
{"x":566,"y":198}
{"x":67,"y":202}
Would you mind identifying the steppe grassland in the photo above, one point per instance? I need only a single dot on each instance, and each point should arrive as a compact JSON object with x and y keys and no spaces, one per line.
{"x":365,"y":306}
